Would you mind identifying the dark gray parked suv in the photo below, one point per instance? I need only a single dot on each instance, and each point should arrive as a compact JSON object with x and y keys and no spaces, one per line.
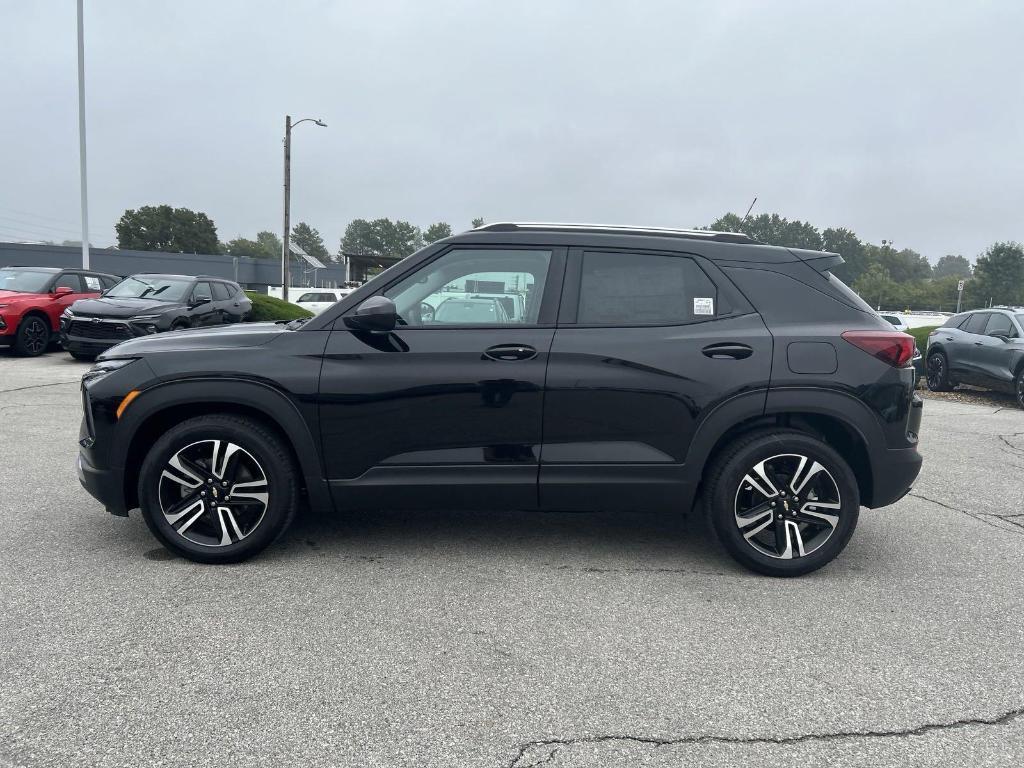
{"x":141,"y":305}
{"x":984,"y":348}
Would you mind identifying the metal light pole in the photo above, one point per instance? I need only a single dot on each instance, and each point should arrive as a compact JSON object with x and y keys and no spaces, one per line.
{"x":288,"y":125}
{"x":81,"y":140}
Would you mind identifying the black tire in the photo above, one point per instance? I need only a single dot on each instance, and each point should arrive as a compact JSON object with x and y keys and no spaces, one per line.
{"x":180,"y":325}
{"x":33,"y":336}
{"x":937,"y":370}
{"x":1018,"y":387}
{"x":727,"y":490}
{"x":82,"y":356}
{"x":251,"y":528}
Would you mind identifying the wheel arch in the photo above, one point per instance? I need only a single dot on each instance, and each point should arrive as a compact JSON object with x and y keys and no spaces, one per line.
{"x":838,"y":419}
{"x":158,"y":409}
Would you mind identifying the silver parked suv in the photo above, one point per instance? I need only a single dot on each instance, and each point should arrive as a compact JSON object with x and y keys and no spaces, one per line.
{"x":984,"y":348}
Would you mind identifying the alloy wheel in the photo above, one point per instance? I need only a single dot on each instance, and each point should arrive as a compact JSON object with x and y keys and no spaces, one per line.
{"x":1020,"y":389}
{"x":36,"y":336}
{"x":213,"y":493}
{"x":787,"y":506}
{"x":936,"y":371}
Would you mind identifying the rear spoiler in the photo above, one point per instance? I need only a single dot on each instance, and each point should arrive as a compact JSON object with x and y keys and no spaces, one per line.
{"x":822,"y":261}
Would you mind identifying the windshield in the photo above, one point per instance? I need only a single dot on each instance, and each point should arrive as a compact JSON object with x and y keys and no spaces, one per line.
{"x":145,"y":287}
{"x":24,"y":280}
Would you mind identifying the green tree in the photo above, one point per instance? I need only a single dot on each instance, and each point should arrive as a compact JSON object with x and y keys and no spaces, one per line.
{"x":270,"y":244}
{"x":435,"y":232}
{"x":382,"y":237}
{"x":478,"y":222}
{"x":999,"y":275}
{"x":162,"y":228}
{"x":772,"y":229}
{"x":848,"y":245}
{"x":876,"y":287}
{"x":903,"y":265}
{"x":309,"y":240}
{"x":242,"y":246}
{"x":952,"y":266}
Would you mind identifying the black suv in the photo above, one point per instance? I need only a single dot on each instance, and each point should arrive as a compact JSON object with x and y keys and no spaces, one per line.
{"x":650,"y":370}
{"x":141,"y":305}
{"x":984,"y":348}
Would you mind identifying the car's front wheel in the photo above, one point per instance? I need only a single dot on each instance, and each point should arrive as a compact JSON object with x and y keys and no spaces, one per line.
{"x":938,"y":373}
{"x":1018,"y":387}
{"x":782,"y":502}
{"x":218,"y":488}
{"x":33,"y":336}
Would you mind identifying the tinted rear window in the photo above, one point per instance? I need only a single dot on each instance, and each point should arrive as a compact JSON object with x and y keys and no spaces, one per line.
{"x":977,"y":323}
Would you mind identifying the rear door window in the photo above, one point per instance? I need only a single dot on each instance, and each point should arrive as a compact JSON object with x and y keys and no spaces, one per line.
{"x":976,"y":323}
{"x":74,"y":282}
{"x":643,"y":289}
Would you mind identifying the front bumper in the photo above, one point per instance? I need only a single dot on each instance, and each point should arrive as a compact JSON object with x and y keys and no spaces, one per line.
{"x":104,"y":485}
{"x":93,"y":335}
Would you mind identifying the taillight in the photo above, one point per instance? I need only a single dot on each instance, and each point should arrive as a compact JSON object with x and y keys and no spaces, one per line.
{"x":891,"y":347}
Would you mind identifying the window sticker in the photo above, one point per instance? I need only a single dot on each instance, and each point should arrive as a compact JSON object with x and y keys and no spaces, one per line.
{"x":92,"y":283}
{"x":702,"y":306}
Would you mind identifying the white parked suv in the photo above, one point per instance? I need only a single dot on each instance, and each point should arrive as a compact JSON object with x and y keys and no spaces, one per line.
{"x":319,"y":299}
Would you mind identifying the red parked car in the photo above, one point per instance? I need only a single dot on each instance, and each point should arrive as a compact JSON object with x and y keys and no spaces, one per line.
{"x":32,"y":299}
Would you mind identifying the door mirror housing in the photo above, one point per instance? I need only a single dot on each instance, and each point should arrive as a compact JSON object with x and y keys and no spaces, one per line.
{"x":1001,"y":336}
{"x":377,"y":314}
{"x":61,"y":290}
{"x":198,"y":301}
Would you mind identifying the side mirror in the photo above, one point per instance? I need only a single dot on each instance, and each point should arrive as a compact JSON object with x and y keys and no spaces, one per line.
{"x":1001,"y":336}
{"x":377,"y":314}
{"x":61,"y":290}
{"x":198,"y":301}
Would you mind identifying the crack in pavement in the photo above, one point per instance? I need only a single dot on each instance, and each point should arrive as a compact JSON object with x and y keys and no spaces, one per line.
{"x":1003,"y":718}
{"x":40,"y":386}
{"x":979,"y":516}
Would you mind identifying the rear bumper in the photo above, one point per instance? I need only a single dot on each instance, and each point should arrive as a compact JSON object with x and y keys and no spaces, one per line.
{"x":104,"y":485}
{"x":896,"y":469}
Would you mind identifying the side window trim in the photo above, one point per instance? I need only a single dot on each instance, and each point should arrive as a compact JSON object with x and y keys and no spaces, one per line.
{"x":549,"y":301}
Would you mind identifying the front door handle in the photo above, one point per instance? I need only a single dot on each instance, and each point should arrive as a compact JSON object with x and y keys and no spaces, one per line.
{"x":510,"y":352}
{"x":728,"y":349}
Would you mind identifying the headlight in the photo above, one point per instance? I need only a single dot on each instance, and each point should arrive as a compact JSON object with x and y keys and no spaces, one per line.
{"x":67,"y":312}
{"x":140,"y":318}
{"x":105,"y":368}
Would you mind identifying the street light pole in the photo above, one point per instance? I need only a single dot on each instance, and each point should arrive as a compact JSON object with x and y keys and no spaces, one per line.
{"x":288,"y":125}
{"x":287,"y":204}
{"x":81,"y":140}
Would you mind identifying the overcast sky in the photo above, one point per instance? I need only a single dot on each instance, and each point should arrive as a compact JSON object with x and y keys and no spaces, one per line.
{"x":899,"y":120}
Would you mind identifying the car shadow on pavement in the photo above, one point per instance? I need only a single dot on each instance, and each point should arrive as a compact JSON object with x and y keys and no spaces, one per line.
{"x":596,"y":542}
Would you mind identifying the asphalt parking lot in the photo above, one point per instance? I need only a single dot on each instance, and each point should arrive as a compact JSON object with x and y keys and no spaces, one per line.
{"x":509,"y":640}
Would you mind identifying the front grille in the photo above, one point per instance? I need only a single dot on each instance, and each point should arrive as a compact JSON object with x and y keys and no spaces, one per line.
{"x":86,"y":329}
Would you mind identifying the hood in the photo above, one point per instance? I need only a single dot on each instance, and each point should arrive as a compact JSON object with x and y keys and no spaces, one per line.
{"x":114,"y":307}
{"x":232,"y":336}
{"x":6,"y":296}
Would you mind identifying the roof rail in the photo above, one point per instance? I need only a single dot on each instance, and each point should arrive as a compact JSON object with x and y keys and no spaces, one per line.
{"x":618,"y":229}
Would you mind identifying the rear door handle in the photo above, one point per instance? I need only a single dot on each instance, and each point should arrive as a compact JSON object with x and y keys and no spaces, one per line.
{"x":510,"y":352}
{"x":727,"y":349}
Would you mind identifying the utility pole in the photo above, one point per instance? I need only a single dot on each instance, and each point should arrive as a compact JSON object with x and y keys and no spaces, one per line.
{"x":285,"y":253}
{"x":287,"y":204}
{"x":81,"y":140}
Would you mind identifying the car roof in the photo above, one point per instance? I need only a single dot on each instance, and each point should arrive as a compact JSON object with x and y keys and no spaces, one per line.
{"x":718,"y":246}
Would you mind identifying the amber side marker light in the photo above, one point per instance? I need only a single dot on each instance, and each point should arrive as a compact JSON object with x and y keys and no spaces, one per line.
{"x":126,"y":401}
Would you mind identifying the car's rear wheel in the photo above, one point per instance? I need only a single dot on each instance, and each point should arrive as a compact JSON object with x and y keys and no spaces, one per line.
{"x":1018,"y":387}
{"x":33,"y":336}
{"x":218,"y":488}
{"x":782,"y":503}
{"x":938,"y":373}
